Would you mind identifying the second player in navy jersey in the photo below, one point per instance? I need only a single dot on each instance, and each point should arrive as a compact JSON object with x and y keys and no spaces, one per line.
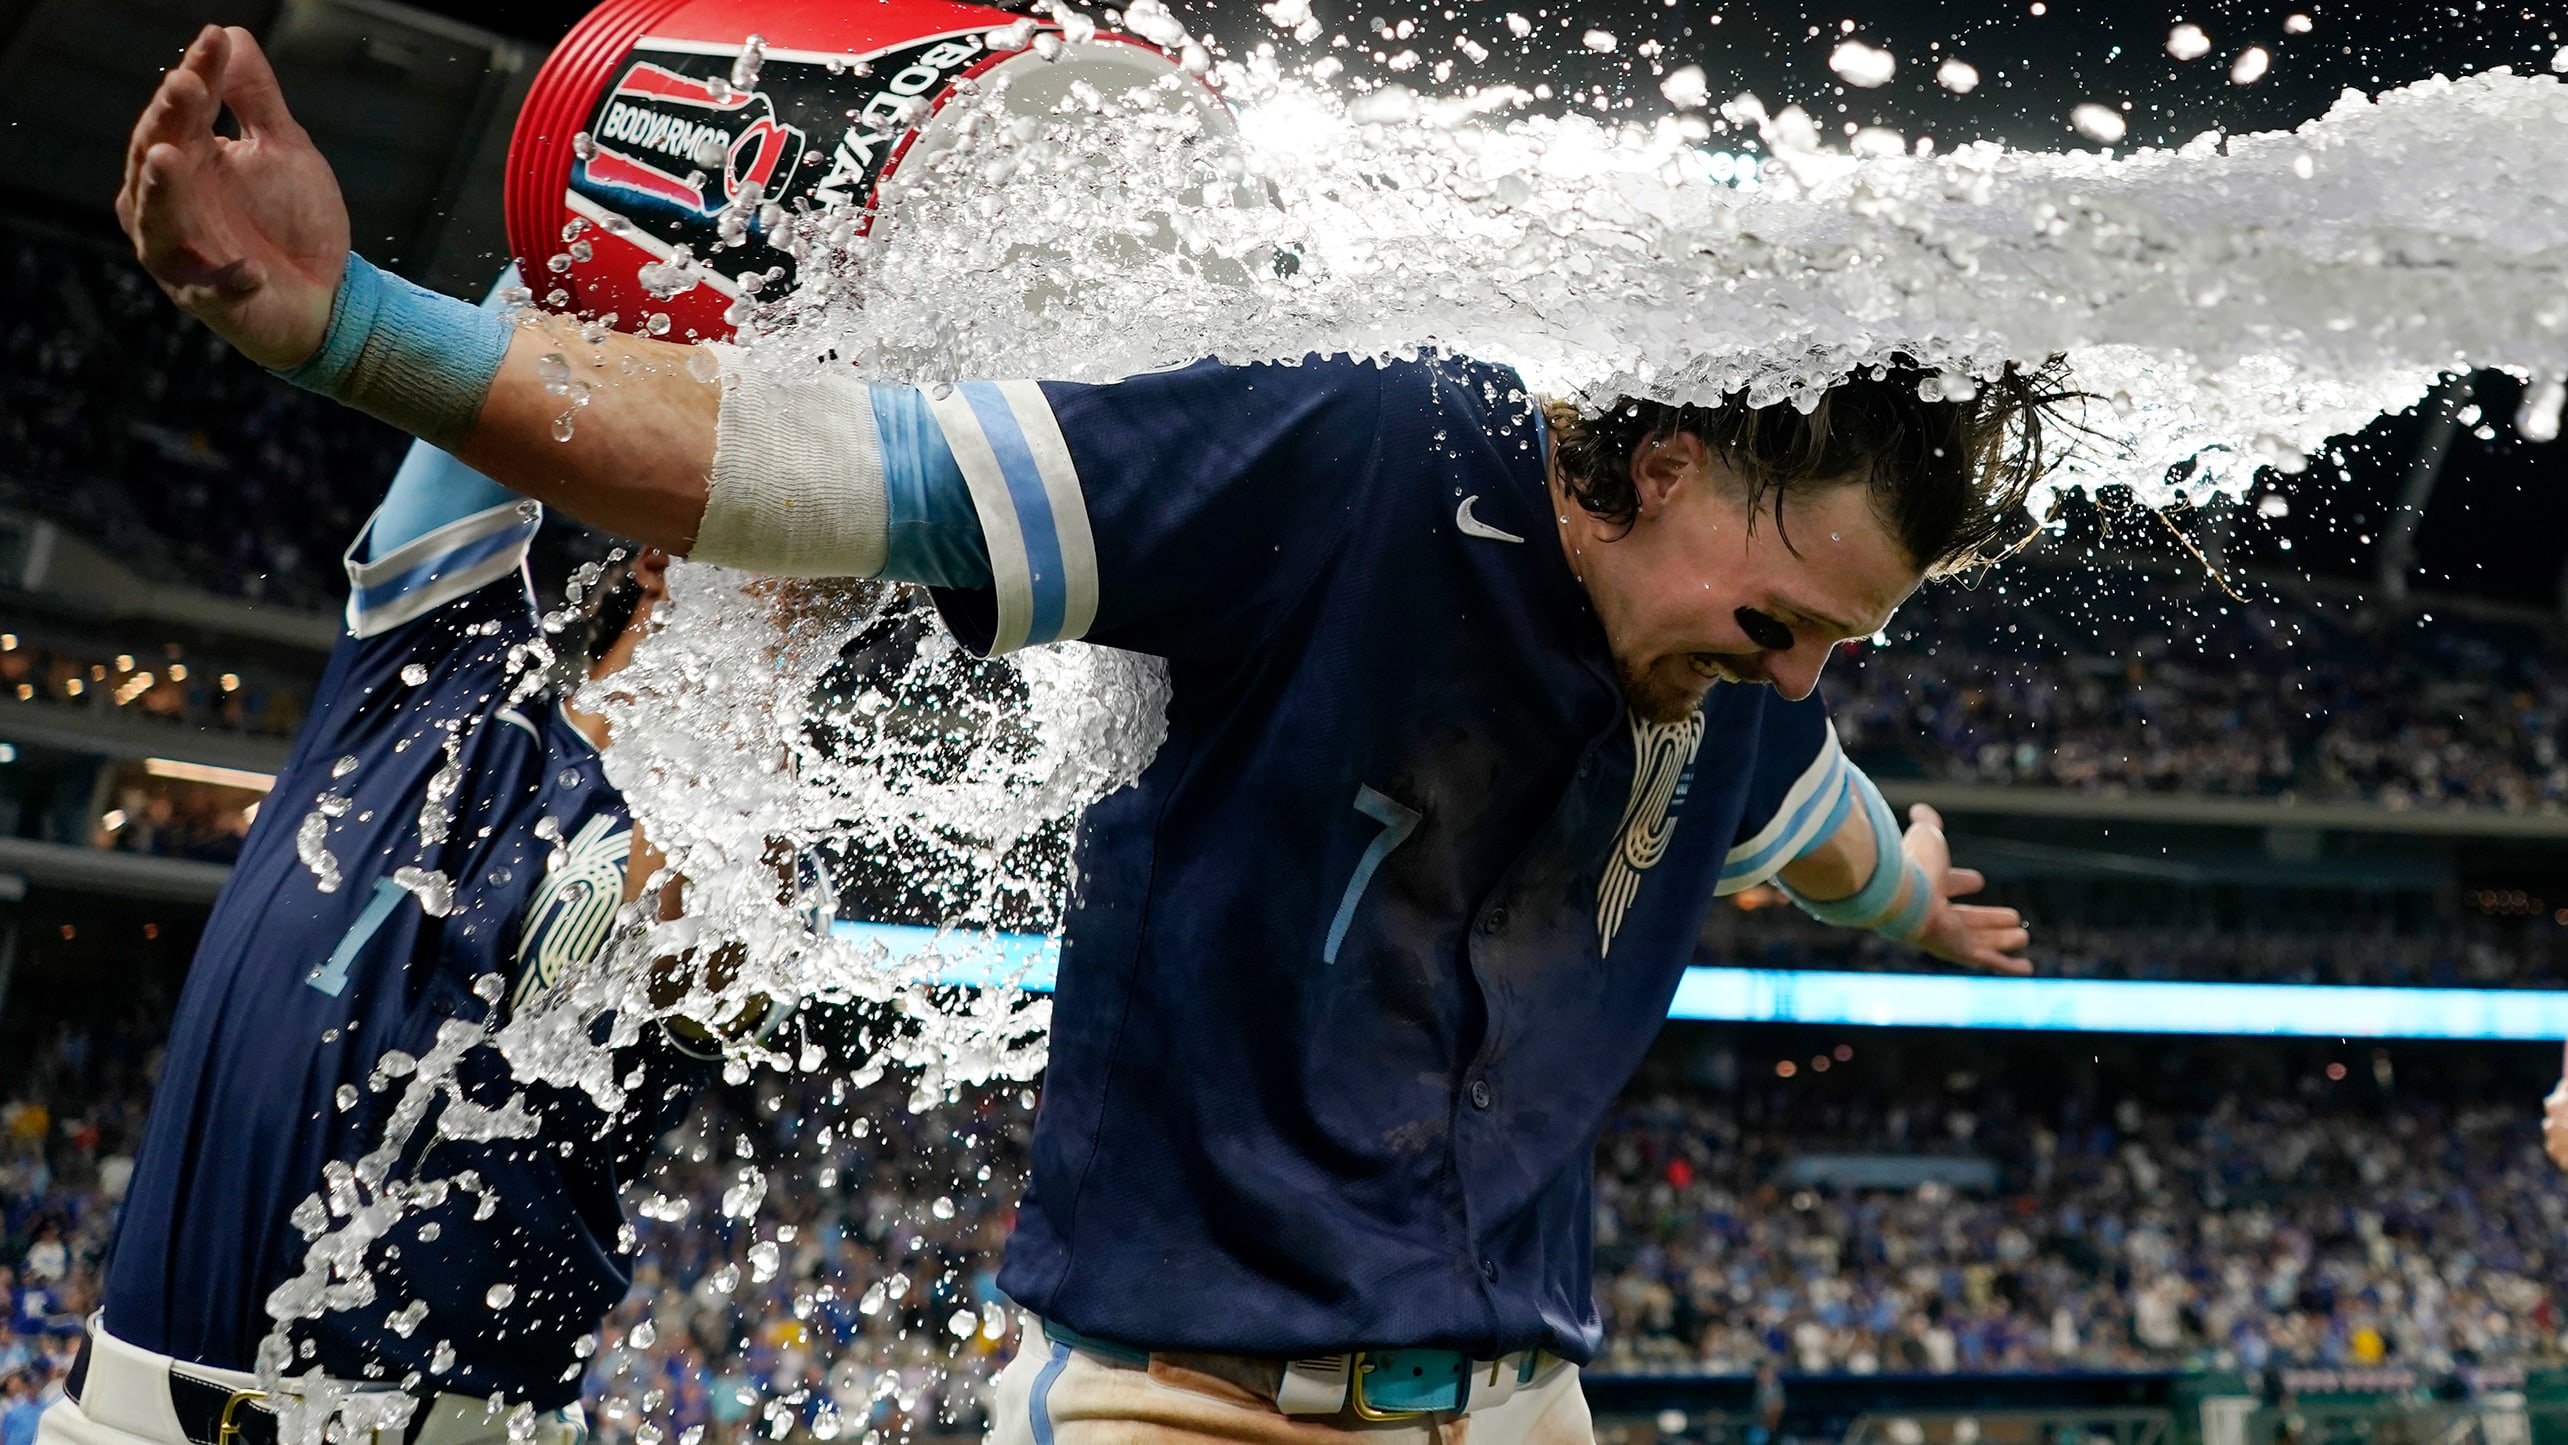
{"x":440,"y":847}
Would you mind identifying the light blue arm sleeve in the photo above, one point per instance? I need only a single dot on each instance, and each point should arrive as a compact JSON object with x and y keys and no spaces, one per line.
{"x":935,"y":532}
{"x":433,"y":489}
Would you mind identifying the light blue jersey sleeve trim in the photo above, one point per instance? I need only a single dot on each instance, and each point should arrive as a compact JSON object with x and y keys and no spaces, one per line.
{"x":453,"y":561}
{"x":934,"y":534}
{"x":1034,"y":517}
{"x":1812,"y":808}
{"x":432,"y":488}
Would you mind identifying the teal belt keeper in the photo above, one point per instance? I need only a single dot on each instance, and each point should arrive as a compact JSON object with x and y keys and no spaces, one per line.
{"x":405,"y":355}
{"x":1403,"y":1382}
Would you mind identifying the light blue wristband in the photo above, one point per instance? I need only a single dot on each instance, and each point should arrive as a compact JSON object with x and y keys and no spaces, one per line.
{"x":406,"y":355}
{"x":1867,"y":905}
{"x":1870,"y":906}
{"x":933,"y":530}
{"x":1903,"y":925}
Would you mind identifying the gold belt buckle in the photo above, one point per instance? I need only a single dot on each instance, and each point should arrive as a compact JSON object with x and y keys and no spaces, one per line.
{"x":227,"y":1427}
{"x":1356,"y":1370}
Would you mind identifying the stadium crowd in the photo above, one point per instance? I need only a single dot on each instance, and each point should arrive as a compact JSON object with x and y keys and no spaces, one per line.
{"x":862,"y":1296}
{"x":71,"y":1113}
{"x":158,"y":441}
{"x":2267,"y":698}
{"x":815,"y":1261}
{"x":2262,"y":1232}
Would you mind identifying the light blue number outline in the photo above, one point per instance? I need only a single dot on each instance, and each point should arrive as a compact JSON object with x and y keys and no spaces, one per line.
{"x":332,"y":977}
{"x":1398,"y":821}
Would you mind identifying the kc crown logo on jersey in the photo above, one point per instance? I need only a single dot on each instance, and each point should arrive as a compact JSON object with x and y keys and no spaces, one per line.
{"x":573,"y":908}
{"x":1662,"y":770}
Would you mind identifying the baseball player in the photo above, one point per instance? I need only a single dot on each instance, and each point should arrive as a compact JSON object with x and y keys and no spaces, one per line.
{"x":350,"y":934}
{"x":1476,"y":711}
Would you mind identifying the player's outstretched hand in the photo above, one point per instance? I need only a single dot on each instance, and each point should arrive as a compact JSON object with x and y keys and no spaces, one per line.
{"x":1971,"y":934}
{"x":249,"y":236}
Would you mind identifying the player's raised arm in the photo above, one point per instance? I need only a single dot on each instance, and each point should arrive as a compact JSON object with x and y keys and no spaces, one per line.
{"x":250,"y":236}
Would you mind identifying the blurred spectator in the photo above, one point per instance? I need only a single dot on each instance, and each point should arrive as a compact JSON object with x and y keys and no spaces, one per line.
{"x":20,"y":1404}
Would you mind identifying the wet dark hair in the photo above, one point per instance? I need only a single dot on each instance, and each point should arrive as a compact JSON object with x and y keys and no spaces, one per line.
{"x":607,"y":605}
{"x":1949,"y":477}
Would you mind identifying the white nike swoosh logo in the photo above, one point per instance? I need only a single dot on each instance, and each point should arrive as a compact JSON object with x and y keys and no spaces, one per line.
{"x":1474,"y":527}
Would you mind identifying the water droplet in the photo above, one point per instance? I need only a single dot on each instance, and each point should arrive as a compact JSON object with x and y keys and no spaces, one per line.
{"x":2537,"y":420}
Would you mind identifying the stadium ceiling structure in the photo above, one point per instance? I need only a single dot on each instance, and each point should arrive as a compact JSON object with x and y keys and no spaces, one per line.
{"x":412,"y":108}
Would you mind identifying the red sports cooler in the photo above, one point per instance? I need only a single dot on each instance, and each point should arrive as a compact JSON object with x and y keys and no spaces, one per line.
{"x":634,"y":139}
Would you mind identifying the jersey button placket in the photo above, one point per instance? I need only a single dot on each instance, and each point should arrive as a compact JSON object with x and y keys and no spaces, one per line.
{"x":1494,"y":922}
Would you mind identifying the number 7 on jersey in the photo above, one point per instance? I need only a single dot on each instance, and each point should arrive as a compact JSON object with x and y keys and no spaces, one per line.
{"x":1398,"y":822}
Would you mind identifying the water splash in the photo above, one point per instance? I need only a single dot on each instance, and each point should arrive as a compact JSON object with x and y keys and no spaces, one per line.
{"x":2235,"y":298}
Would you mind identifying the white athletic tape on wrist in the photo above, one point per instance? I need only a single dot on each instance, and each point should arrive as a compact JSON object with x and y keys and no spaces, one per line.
{"x":797,"y":487}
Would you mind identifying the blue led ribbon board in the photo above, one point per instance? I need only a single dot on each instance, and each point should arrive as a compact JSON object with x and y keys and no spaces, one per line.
{"x":2081,"y":1005}
{"x":1931,"y":1000}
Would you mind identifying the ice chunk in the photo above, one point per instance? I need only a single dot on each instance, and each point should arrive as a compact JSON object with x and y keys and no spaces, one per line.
{"x":2099,"y":123}
{"x":1861,"y":65}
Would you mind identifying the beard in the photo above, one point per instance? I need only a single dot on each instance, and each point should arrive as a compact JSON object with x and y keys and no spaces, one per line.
{"x":1667,"y":692}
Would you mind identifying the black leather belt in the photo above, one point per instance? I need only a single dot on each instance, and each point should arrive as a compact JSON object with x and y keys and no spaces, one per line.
{"x":212,"y":1413}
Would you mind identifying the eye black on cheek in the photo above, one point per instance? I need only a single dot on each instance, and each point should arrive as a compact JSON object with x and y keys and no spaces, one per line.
{"x":1763,"y":630}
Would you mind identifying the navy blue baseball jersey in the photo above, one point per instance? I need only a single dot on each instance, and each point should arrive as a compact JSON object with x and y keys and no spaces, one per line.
{"x":423,"y":768}
{"x":1353,"y":972}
